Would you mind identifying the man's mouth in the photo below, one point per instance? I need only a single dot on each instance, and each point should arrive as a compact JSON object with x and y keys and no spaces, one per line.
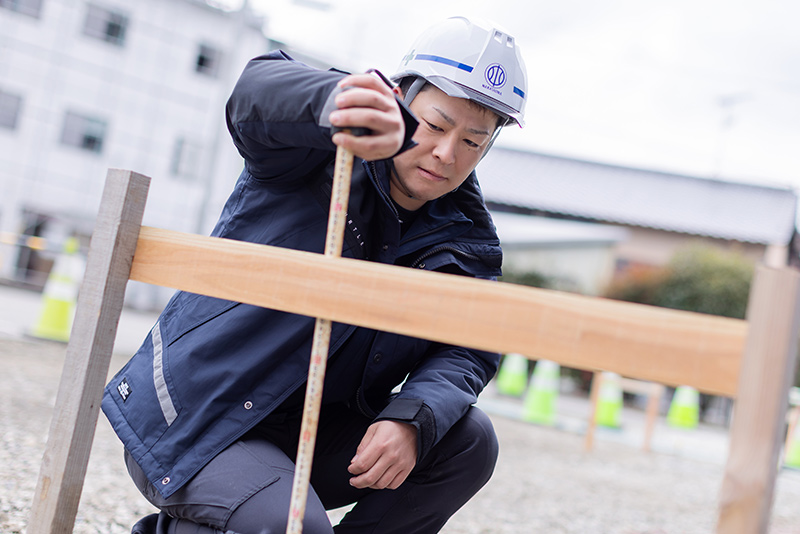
{"x":432,"y":175}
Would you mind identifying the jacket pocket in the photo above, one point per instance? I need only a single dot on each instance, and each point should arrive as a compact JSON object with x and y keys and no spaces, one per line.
{"x":144,"y":393}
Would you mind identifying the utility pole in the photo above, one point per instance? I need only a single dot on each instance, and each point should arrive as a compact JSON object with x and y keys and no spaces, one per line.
{"x":728,"y":104}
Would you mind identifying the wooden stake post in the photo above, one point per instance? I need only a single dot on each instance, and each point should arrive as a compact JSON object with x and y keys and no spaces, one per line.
{"x":652,"y":390}
{"x":639,"y":342}
{"x":58,"y":491}
{"x":758,"y":422}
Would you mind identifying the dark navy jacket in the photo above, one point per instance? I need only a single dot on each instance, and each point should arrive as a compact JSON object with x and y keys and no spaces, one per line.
{"x":212,"y":369}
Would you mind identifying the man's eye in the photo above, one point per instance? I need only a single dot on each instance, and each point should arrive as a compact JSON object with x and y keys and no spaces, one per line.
{"x":433,"y":127}
{"x":471,"y":144}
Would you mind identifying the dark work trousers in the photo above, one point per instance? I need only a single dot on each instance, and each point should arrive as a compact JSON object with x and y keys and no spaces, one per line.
{"x":246,"y":489}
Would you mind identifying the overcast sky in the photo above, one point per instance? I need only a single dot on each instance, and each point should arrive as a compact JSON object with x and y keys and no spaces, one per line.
{"x":703,"y":87}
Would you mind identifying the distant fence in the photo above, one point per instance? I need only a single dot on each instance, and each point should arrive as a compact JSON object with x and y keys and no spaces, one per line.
{"x":32,"y":258}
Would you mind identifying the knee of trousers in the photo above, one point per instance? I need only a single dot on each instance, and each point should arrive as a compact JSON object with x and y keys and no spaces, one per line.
{"x":472,"y":447}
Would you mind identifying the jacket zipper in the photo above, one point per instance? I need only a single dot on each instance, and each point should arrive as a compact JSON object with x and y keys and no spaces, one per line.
{"x":418,"y":262}
{"x":365,"y":413}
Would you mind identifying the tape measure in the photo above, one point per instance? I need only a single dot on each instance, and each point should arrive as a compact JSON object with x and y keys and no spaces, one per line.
{"x":337,"y":217}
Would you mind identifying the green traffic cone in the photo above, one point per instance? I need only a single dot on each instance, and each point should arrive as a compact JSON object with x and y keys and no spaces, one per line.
{"x":792,"y":458}
{"x":609,"y":401}
{"x":684,"y":410}
{"x":512,"y":378}
{"x":540,"y":402}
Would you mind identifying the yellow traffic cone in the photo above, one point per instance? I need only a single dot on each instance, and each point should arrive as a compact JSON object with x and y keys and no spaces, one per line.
{"x":60,"y":295}
{"x":684,"y":410}
{"x":513,"y":375}
{"x":540,"y":402}
{"x":609,"y":401}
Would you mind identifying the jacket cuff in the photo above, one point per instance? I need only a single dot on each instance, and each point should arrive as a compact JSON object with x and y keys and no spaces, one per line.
{"x":414,"y":412}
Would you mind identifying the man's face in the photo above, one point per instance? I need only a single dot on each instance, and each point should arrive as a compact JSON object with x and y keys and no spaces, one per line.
{"x":452,"y":136}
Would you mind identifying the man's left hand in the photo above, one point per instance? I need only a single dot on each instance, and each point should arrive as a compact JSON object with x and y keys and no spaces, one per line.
{"x":385,"y":456}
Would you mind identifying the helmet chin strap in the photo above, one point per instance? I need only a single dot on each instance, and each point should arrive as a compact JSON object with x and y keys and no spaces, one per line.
{"x":397,"y":184}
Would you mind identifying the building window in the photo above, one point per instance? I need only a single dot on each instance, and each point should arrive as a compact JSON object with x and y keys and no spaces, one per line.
{"x":208,"y":60}
{"x":26,"y":7}
{"x":106,"y":25}
{"x":83,"y":132}
{"x":9,"y":110}
{"x":186,"y":159}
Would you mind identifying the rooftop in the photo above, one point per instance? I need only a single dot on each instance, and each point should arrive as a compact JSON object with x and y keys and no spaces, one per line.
{"x":524,"y":181}
{"x":515,"y":230}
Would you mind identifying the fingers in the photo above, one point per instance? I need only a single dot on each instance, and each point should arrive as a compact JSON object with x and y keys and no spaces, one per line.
{"x":368,"y":103}
{"x":385,"y":457}
{"x":384,"y":474}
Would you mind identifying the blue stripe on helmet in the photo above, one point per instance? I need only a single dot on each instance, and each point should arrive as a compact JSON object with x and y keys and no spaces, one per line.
{"x":519,"y":91}
{"x":440,"y":59}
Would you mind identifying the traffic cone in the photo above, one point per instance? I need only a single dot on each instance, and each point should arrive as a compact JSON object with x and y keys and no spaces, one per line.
{"x":609,"y":401}
{"x":791,"y":454}
{"x":513,"y":375}
{"x":60,"y":295}
{"x":792,"y":457}
{"x":684,"y":410}
{"x":540,"y":402}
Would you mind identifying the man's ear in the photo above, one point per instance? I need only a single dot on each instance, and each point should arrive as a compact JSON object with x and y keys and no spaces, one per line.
{"x":399,"y":92}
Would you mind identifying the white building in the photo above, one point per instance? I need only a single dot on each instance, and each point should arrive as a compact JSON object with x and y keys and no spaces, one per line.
{"x":573,"y":256}
{"x":88,"y":85}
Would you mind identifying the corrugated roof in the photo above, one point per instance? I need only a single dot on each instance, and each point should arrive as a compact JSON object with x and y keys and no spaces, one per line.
{"x":636,"y":197}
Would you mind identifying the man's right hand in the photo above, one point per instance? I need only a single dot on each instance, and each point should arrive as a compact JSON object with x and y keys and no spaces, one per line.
{"x":385,"y":456}
{"x":368,"y":103}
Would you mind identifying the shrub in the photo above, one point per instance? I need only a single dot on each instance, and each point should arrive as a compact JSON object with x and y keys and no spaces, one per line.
{"x":531,"y":278}
{"x":707,"y":280}
{"x":698,"y":278}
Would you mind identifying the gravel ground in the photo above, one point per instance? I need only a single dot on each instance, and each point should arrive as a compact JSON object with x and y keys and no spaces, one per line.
{"x":544,"y":482}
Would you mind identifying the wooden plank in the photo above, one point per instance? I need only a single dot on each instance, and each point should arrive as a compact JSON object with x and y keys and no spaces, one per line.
{"x":99,"y":305}
{"x":643,"y":342}
{"x":760,"y":413}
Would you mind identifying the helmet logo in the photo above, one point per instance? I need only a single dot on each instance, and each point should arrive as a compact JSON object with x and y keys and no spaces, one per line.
{"x":495,"y":75}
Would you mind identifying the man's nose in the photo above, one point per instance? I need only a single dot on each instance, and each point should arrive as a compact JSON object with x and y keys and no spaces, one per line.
{"x":445,"y":149}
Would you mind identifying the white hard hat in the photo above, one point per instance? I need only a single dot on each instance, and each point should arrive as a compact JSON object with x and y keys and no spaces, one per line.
{"x":473,"y":60}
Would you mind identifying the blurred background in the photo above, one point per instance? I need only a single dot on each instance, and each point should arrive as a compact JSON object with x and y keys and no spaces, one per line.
{"x":655,"y":130}
{"x":659,"y":164}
